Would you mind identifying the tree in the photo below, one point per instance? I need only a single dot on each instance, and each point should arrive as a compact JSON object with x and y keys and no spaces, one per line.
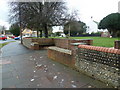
{"x":112,"y":23}
{"x":2,"y":29}
{"x":15,"y":29}
{"x":74,"y":28}
{"x":35,"y":15}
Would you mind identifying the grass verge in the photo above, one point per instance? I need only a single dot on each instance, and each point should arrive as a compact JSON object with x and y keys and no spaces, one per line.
{"x":3,"y":44}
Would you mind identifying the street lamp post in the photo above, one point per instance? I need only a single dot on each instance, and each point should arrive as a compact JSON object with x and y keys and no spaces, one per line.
{"x":69,"y":30}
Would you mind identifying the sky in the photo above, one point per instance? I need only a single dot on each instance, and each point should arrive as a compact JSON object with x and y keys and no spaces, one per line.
{"x":95,"y":8}
{"x":4,"y":13}
{"x":98,"y":9}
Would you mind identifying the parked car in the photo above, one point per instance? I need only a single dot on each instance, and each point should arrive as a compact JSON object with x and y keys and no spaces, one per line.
{"x":12,"y":37}
{"x":3,"y":37}
{"x":25,"y":36}
{"x":17,"y":38}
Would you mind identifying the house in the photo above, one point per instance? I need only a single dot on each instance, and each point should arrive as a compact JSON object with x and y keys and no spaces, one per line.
{"x":29,"y":33}
{"x":105,"y":34}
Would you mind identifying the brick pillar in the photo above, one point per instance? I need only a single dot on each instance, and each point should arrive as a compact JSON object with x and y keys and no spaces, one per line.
{"x":117,"y":44}
{"x":74,"y":48}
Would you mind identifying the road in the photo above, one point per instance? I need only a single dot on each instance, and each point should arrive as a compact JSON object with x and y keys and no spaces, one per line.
{"x":8,"y":40}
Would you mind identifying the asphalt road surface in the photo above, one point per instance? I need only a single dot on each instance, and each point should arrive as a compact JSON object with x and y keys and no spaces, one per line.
{"x":8,"y":40}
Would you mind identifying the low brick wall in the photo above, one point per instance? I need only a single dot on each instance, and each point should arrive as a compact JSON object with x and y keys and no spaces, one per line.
{"x":37,"y":43}
{"x":43,"y":41}
{"x":27,"y":42}
{"x":61,"y":57}
{"x":99,"y":62}
{"x":62,"y":43}
{"x":66,"y":43}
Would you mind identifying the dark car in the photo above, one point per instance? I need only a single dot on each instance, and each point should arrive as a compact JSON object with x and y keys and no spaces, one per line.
{"x":3,"y":37}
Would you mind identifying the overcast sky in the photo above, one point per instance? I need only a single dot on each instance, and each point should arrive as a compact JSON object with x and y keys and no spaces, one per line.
{"x":86,"y":8}
{"x":95,"y":8}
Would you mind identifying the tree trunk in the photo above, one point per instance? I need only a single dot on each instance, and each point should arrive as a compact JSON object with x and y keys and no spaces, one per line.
{"x":46,"y":31}
{"x":114,"y":33}
{"x":41,"y":33}
{"x":37,"y":33}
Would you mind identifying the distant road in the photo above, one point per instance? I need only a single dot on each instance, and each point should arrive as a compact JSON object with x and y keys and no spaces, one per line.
{"x":8,"y":40}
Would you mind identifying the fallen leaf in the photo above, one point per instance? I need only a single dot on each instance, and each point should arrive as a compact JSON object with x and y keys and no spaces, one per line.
{"x":45,"y":66}
{"x":32,"y":80}
{"x":35,"y":76}
{"x":106,"y":84}
{"x":41,"y":57}
{"x":53,"y":64}
{"x":72,"y":81}
{"x":58,"y":73}
{"x":46,"y":69}
{"x":89,"y":86}
{"x":62,"y":81}
{"x":38,"y":85}
{"x":17,"y":77}
{"x":55,"y":77}
{"x":38,"y":65}
{"x":74,"y":86}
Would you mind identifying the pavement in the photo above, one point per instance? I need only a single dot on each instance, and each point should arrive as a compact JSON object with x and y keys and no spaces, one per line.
{"x":24,"y":68}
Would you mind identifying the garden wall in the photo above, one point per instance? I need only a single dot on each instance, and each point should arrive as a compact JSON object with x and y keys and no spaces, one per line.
{"x":38,"y":43}
{"x":43,"y":41}
{"x":63,"y":56}
{"x":66,"y":43}
{"x":27,"y":42}
{"x":99,"y":62}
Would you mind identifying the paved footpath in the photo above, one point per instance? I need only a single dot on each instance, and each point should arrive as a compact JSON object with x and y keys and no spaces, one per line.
{"x":24,"y":68}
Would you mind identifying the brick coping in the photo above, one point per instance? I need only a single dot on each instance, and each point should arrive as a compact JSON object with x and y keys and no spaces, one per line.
{"x":66,"y":51}
{"x":102,"y":49}
{"x":58,"y":38}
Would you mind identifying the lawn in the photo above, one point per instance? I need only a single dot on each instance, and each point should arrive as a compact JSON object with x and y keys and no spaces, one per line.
{"x":97,"y":41}
{"x":100,"y":41}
